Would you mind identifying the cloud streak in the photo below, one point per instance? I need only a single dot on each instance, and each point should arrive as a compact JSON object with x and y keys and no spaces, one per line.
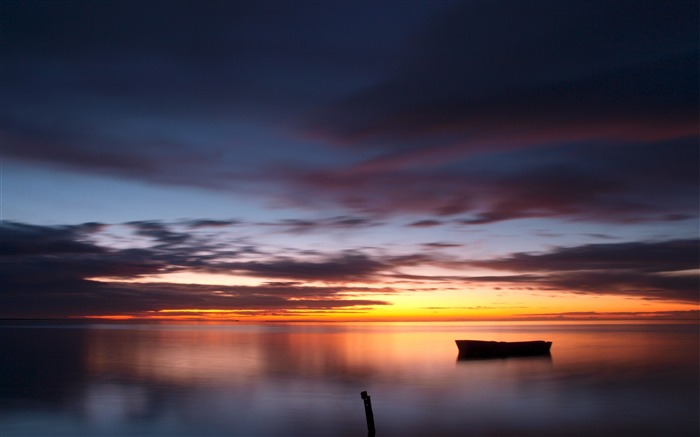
{"x":485,"y":68}
{"x":51,"y":271}
{"x":665,"y":270}
{"x":47,"y":271}
{"x":494,"y":110}
{"x":625,"y":183}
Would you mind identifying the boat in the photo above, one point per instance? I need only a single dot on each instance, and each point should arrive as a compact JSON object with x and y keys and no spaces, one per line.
{"x":502,"y":349}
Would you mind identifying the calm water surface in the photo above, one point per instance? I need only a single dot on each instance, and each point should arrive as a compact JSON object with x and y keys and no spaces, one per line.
{"x":122,"y":379}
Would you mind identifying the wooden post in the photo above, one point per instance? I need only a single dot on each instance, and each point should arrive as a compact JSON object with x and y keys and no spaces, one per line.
{"x":368,"y":414}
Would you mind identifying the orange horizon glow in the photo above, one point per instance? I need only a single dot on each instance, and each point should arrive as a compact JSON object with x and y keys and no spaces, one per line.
{"x":419,"y":302}
{"x":220,"y":315}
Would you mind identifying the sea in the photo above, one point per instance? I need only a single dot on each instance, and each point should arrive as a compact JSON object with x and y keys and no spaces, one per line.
{"x":305,"y":379}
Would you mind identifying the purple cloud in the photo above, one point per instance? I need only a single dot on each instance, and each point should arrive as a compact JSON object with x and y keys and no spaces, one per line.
{"x":664,"y":270}
{"x":562,"y":122}
{"x":47,"y":271}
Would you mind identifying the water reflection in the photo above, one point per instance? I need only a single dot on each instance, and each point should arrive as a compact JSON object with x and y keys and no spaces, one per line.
{"x":287,"y":380}
{"x":40,"y":365}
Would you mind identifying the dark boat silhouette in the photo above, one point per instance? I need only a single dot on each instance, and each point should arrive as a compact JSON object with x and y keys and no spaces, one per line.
{"x":502,"y":349}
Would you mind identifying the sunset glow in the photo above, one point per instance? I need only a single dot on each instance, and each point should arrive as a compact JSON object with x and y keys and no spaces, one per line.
{"x":350,"y":161}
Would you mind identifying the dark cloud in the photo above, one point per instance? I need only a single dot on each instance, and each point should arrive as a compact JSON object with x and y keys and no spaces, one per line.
{"x":646,"y":257}
{"x":594,"y":182}
{"x":347,"y":266}
{"x":425,"y":224}
{"x":46,"y":271}
{"x":608,"y":89}
{"x":216,"y":54}
{"x":441,"y":245}
{"x":139,"y":299}
{"x":155,"y":158}
{"x":68,"y":149}
{"x":565,"y":69}
{"x":619,"y":184}
{"x":664,"y":270}
{"x":50,"y":271}
{"x":296,"y":226}
{"x":208,"y":223}
{"x":601,"y":236}
{"x":20,"y":239}
{"x":495,"y":110}
{"x":34,"y":254}
{"x":159,"y":232}
{"x":648,"y":286}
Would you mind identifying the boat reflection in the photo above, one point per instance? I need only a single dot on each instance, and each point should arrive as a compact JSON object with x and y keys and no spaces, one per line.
{"x":542,"y":358}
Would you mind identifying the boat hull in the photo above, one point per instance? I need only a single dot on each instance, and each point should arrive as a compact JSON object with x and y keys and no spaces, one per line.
{"x":502,"y":349}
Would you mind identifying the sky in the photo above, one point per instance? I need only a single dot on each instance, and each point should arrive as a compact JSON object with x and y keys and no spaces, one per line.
{"x":350,"y":160}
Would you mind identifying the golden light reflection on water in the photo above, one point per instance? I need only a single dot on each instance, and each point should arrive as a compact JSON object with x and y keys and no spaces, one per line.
{"x":281,"y":379}
{"x":230,"y":354}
